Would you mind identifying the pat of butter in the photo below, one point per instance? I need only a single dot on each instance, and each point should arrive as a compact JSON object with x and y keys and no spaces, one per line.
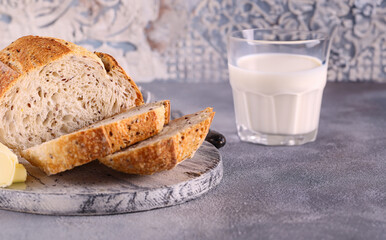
{"x":11,"y":171}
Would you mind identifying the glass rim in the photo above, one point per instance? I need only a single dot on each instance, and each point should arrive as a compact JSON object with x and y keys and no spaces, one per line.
{"x":322,"y":35}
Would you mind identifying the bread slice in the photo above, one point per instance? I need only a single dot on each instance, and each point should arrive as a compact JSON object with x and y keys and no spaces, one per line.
{"x":99,"y":139}
{"x":178,"y":141}
{"x":50,"y":87}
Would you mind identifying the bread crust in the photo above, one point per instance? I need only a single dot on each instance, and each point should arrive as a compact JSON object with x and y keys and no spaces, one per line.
{"x":69,"y":151}
{"x":167,"y":111}
{"x":112,"y":65}
{"x":164,"y":154}
{"x":7,"y":78}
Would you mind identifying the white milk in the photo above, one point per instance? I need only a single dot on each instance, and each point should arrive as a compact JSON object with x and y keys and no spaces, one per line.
{"x":278,"y":93}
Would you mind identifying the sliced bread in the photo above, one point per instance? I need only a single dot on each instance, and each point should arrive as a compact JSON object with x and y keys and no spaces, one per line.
{"x":177,"y":141}
{"x":99,"y":139}
{"x":50,"y":87}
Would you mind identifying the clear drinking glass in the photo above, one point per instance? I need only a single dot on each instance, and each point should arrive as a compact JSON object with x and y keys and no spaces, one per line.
{"x":277,"y":79}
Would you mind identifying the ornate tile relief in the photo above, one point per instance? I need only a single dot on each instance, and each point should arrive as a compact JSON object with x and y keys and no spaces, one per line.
{"x":358,"y":50}
{"x":186,"y":40}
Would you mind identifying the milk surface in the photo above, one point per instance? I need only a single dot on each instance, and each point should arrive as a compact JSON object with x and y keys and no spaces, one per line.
{"x":278,"y":93}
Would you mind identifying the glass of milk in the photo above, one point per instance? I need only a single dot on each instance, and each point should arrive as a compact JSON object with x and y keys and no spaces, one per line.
{"x":277,"y":79}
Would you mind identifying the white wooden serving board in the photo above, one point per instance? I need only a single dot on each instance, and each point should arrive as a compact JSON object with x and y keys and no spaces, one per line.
{"x":94,"y":189}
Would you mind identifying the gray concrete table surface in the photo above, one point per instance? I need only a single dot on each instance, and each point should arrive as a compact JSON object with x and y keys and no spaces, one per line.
{"x":334,"y":188}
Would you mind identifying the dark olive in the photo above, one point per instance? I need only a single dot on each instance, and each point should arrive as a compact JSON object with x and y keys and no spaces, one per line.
{"x":216,"y":138}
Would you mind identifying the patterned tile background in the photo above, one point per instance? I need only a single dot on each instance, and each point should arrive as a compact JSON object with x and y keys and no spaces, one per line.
{"x":186,"y":40}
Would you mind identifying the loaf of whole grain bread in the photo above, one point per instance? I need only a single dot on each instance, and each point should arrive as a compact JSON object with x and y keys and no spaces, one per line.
{"x":100,"y":139}
{"x":50,"y":87}
{"x":62,"y":106}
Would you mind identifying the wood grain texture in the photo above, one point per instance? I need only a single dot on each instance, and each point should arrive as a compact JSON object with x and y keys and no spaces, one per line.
{"x":94,"y":189}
